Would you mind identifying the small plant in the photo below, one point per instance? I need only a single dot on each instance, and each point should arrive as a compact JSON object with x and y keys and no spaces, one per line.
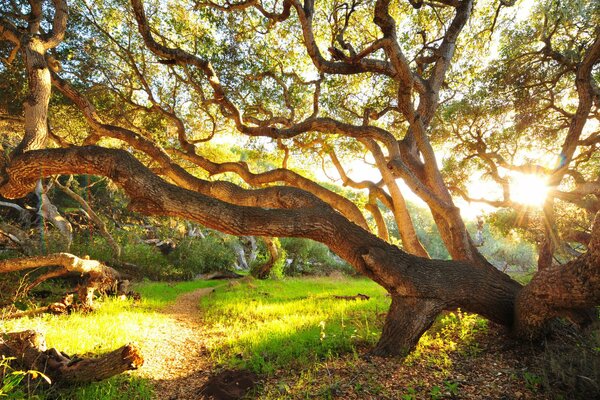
{"x":436,"y":393}
{"x":411,"y":394}
{"x":11,"y":379}
{"x":451,"y":387}
{"x":532,"y":381}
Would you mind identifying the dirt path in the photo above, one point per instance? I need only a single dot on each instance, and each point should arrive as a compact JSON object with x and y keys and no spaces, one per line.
{"x":176,"y":359}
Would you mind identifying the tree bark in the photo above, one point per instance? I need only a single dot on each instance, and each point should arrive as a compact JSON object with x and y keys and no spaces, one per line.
{"x":407,"y":319}
{"x":561,"y":290}
{"x":29,"y":349}
{"x":263,"y":271}
{"x":484,"y":289}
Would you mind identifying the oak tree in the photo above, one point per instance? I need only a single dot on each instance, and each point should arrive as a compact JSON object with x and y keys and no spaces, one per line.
{"x":143,"y":91}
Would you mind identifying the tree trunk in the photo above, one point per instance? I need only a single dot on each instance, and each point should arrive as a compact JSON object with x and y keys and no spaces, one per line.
{"x":568,"y":290}
{"x":29,"y":349}
{"x":263,"y":271}
{"x":482,"y":289}
{"x":36,"y":104}
{"x":407,"y":319}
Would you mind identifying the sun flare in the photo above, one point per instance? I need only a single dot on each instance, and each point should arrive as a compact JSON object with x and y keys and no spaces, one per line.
{"x":528,"y":189}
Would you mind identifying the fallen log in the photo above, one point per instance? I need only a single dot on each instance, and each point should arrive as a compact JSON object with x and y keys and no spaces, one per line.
{"x":60,"y":307}
{"x":99,"y":276}
{"x":30,"y":353}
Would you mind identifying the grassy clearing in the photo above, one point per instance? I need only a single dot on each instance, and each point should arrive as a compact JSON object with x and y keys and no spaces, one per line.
{"x":115,"y":323}
{"x":267,"y":326}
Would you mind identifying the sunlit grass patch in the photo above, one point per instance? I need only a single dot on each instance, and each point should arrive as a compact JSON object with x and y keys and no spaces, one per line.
{"x":452,"y":331}
{"x":292,"y":324}
{"x":267,"y":325}
{"x":115,"y":323}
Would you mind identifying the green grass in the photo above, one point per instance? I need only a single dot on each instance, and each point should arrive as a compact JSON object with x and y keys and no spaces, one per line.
{"x":159,"y":294}
{"x":268,"y":325}
{"x":290,"y":326}
{"x":114,"y":324}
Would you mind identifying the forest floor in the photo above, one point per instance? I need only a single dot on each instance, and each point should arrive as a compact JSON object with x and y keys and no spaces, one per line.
{"x":178,"y":364}
{"x":306,"y":338}
{"x":489,"y":366}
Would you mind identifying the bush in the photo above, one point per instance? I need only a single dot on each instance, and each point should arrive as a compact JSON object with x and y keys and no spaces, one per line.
{"x":153,"y":264}
{"x":96,"y":247}
{"x":198,"y":256}
{"x":311,"y":258}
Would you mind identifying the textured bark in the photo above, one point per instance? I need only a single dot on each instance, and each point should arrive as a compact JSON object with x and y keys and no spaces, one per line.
{"x":568,"y":290}
{"x":36,"y":105}
{"x":407,"y":319}
{"x":29,"y":349}
{"x":263,"y":271}
{"x":484,"y":290}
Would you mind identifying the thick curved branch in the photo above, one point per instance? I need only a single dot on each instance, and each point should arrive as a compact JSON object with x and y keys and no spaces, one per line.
{"x":59,"y":24}
{"x":9,"y":32}
{"x":340,"y":203}
{"x":397,"y":271}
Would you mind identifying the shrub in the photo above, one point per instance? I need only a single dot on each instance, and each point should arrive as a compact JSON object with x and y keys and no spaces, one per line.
{"x":153,"y":264}
{"x":311,"y":258}
{"x":197,"y":256}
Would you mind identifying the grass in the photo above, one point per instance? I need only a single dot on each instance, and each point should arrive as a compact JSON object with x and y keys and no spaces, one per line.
{"x":114,"y":324}
{"x":267,"y":325}
{"x":292,"y":331}
{"x":290,"y":326}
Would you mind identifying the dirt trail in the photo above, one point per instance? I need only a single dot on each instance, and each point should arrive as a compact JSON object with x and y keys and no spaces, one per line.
{"x":176,"y":359}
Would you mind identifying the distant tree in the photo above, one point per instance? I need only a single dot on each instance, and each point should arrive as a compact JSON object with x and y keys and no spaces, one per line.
{"x":156,"y":84}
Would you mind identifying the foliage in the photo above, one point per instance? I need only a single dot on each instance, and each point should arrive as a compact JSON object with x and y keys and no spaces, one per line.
{"x":11,"y":379}
{"x":196,"y":256}
{"x":153,"y":263}
{"x":311,"y":258}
